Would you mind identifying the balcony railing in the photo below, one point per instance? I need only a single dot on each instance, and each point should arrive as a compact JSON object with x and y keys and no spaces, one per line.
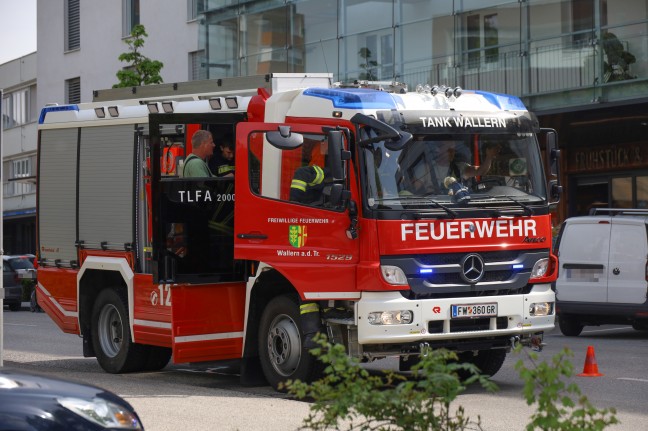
{"x":16,"y":188}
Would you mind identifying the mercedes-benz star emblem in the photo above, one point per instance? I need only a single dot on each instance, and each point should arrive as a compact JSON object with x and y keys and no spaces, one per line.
{"x":472,"y":268}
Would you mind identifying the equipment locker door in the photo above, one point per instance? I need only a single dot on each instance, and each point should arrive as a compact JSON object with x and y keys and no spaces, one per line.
{"x":306,"y":241}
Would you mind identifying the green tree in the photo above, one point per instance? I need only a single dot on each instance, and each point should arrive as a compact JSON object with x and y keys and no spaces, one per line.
{"x":141,"y":70}
{"x":368,"y":65}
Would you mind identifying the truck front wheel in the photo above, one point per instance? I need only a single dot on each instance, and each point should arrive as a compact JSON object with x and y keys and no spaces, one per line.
{"x":569,"y":327}
{"x":281,"y":350}
{"x":111,"y":337}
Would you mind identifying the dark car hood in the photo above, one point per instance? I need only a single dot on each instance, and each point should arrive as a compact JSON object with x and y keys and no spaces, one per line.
{"x":28,"y":402}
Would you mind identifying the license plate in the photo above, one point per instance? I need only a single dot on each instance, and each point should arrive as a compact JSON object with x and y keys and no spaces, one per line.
{"x":474,"y":310}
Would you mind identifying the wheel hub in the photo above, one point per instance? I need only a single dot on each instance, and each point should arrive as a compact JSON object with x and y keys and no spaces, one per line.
{"x":284,"y":345}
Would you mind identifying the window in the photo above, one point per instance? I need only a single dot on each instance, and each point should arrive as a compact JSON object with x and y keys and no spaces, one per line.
{"x":73,"y":90}
{"x":130,"y":16}
{"x":16,"y":108}
{"x":72,"y":25}
{"x":196,"y":65}
{"x":491,"y":38}
{"x":195,"y":8}
{"x":21,"y":169}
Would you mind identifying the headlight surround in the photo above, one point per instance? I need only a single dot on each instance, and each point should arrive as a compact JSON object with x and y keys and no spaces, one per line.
{"x":102,"y":412}
{"x":539,"y":309}
{"x":393,"y":317}
{"x":393,"y":275}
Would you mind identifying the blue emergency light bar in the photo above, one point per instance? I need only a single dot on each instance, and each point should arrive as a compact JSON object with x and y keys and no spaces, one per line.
{"x":354,"y":98}
{"x":47,"y":109}
{"x":426,"y":271}
{"x":505,"y":102}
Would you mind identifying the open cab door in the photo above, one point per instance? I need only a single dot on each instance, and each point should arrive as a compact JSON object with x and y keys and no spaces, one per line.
{"x":294,"y":209}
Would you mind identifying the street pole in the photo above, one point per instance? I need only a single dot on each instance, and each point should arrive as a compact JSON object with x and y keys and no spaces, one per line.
{"x":1,"y":234}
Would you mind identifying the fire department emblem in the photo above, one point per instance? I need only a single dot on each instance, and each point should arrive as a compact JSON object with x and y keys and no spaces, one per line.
{"x":297,"y":235}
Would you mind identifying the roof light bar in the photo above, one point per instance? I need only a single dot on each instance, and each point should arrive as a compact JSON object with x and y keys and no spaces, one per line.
{"x":113,"y":111}
{"x":153,"y":108}
{"x":442,"y":89}
{"x":231,"y":102}
{"x":167,"y":107}
{"x":100,"y":112}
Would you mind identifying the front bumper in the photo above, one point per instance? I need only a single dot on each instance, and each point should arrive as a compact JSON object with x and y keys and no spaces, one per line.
{"x":432,"y":318}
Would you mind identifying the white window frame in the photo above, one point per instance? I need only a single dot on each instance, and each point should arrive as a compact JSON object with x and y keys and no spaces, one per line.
{"x":21,"y":168}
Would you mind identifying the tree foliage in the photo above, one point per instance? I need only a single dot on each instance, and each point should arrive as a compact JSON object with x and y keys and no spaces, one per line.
{"x":141,"y":70}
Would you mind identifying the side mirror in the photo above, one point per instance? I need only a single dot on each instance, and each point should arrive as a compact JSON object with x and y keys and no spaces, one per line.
{"x":284,"y":139}
{"x":335,"y":155}
{"x":553,"y":152}
{"x":555,"y":191}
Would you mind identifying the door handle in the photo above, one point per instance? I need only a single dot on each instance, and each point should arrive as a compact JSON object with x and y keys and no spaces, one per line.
{"x":616,"y":271}
{"x":252,"y":236}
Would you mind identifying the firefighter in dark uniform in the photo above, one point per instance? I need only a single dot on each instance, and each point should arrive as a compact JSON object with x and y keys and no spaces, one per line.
{"x":222,"y":163}
{"x":308,"y":185}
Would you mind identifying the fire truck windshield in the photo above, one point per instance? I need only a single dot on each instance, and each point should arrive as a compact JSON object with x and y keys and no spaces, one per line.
{"x":469,"y":170}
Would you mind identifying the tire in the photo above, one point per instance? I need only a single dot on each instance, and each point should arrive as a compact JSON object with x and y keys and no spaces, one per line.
{"x":33,"y":303}
{"x":570,"y":327}
{"x":280,"y":344}
{"x":111,"y":337}
{"x":158,"y":358}
{"x":489,"y":362}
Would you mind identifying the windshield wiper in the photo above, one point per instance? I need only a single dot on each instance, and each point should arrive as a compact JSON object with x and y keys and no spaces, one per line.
{"x":448,"y":211}
{"x":528,"y":211}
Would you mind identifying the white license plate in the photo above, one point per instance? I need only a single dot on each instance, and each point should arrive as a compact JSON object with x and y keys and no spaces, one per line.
{"x":474,"y":310}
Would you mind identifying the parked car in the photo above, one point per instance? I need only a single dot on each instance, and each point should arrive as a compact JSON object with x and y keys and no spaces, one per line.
{"x":603,"y":273}
{"x":12,"y":284}
{"x":34,"y":402}
{"x":23,"y":265}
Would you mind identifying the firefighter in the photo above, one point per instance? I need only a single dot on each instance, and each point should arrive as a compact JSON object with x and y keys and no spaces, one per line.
{"x":202,"y":144}
{"x":222,"y":164}
{"x":307,"y":185}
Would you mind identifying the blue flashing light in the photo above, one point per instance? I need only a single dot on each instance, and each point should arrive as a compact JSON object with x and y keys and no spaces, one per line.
{"x":503,"y":101}
{"x":426,"y":271}
{"x":518,"y":266}
{"x":354,"y":98}
{"x":47,"y":109}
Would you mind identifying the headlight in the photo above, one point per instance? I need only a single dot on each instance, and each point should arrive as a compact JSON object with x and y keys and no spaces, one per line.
{"x":540,"y":268}
{"x":393,"y":274}
{"x":396,"y":317}
{"x":541,"y":309}
{"x":102,"y":412}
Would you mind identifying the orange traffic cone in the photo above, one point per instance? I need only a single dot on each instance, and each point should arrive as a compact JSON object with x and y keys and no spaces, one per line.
{"x":590,"y":369}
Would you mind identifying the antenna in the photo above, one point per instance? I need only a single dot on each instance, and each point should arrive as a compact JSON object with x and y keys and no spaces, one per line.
{"x":324,"y":56}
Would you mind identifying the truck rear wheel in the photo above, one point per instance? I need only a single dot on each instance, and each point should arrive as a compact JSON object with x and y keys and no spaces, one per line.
{"x":111,"y":337}
{"x":569,"y":327}
{"x":281,"y":351}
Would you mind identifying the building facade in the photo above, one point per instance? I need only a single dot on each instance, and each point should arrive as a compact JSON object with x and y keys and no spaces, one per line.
{"x":581,"y":65}
{"x":19,"y":127}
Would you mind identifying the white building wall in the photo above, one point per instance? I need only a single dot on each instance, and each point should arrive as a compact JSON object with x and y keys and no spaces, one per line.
{"x":19,"y":142}
{"x":171,"y":38}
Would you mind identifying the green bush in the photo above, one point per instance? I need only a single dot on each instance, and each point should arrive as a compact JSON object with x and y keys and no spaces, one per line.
{"x":350,"y":396}
{"x":547,"y":385}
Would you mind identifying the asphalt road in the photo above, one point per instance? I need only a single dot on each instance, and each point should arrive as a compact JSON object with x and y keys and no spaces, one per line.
{"x":210,"y":397}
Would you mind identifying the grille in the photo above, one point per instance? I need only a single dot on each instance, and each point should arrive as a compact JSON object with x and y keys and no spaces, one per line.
{"x":452,"y":258}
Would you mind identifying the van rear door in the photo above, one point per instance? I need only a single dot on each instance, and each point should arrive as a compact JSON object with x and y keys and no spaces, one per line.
{"x":627,"y":270}
{"x":583,"y":257}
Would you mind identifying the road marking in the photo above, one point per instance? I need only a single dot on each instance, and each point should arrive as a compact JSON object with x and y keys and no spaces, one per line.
{"x":632,"y":379}
{"x":19,"y":324}
{"x":606,"y":330}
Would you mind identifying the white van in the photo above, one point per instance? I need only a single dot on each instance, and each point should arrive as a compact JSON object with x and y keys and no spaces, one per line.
{"x":603,"y":272}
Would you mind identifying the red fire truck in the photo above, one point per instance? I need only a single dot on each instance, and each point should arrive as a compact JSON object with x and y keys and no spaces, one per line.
{"x":422,"y":234}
